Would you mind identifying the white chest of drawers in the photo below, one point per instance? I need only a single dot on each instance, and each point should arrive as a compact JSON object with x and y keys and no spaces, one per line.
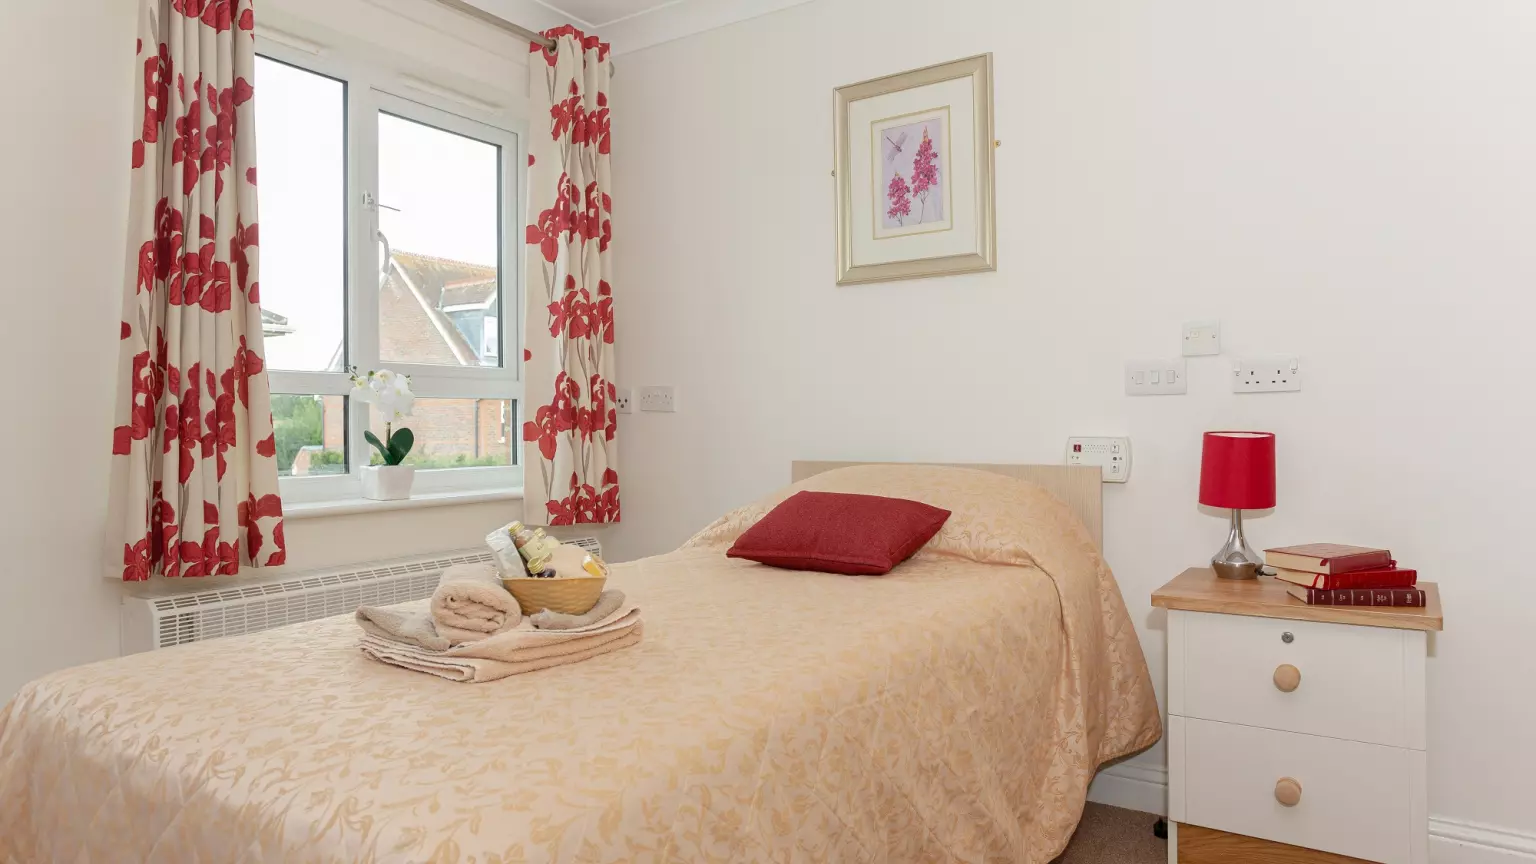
{"x":1295,"y":732}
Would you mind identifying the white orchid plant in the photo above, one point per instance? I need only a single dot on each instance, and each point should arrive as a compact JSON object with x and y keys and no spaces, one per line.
{"x":391,"y":392}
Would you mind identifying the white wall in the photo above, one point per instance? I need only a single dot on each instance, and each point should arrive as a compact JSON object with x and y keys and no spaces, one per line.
{"x":64,"y":176}
{"x":63,"y":226}
{"x":1353,"y":182}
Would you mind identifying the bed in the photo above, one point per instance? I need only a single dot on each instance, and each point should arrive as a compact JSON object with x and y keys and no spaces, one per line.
{"x":953,"y":710}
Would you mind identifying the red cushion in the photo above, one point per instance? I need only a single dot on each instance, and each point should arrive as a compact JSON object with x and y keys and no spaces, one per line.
{"x":835,"y":532}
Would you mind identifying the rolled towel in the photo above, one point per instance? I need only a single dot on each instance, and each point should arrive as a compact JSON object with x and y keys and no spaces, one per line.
{"x":471,"y":604}
{"x":607,"y":603}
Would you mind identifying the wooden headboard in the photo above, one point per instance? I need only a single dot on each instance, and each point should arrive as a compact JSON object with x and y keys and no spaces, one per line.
{"x":1079,"y":486}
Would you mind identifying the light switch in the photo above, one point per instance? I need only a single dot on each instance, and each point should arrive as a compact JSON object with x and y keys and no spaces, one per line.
{"x":1155,"y":378}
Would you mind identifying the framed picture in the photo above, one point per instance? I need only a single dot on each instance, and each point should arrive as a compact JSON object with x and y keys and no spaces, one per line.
{"x":914,"y":174}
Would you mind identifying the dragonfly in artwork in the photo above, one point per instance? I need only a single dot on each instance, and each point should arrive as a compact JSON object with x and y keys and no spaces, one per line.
{"x":894,"y":146}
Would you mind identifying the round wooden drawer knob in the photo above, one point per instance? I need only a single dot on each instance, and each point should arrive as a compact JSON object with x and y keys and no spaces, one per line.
{"x":1288,"y":792}
{"x":1287,"y":678}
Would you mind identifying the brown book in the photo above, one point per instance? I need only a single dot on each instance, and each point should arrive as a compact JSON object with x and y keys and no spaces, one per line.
{"x":1358,"y":596}
{"x":1331,"y":558}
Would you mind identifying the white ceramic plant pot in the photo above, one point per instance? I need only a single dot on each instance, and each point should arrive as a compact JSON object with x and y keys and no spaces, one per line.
{"x":388,"y":482}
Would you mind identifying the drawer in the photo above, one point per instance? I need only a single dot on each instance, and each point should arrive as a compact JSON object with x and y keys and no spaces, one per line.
{"x":1359,"y":800}
{"x":1360,"y":683}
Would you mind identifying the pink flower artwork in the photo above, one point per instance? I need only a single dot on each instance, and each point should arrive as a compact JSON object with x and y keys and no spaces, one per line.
{"x":913,"y":166}
{"x":899,"y":194}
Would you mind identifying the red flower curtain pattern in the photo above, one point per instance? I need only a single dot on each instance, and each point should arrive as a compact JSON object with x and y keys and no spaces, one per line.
{"x":570,"y":451}
{"x":194,"y":470}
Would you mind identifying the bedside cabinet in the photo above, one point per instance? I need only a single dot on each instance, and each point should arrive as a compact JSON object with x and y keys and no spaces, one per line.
{"x":1295,"y":732}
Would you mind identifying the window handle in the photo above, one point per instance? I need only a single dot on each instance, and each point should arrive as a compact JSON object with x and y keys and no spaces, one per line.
{"x":372,"y":205}
{"x":385,"y":260}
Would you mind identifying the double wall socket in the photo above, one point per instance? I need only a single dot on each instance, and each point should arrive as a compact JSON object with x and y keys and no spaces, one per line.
{"x":1266,"y":375}
{"x":658,"y":398}
{"x":1155,"y":378}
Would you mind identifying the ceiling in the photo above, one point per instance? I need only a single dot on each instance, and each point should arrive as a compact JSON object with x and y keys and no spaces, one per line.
{"x":630,"y":25}
{"x":599,"y":13}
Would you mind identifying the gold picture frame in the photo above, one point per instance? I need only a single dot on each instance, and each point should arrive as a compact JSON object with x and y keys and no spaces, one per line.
{"x":949,"y":238}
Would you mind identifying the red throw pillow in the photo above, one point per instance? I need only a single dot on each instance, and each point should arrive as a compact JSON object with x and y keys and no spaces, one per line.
{"x":835,"y":532}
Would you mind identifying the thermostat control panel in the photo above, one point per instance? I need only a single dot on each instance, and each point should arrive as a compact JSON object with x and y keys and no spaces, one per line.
{"x":1112,"y":455}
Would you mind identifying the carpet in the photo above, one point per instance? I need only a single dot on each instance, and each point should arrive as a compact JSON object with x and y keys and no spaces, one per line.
{"x":1110,"y":835}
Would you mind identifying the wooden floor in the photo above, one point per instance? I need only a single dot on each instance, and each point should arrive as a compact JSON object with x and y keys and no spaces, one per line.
{"x":1109,"y":835}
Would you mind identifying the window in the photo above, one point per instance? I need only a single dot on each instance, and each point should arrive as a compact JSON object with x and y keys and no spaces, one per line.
{"x":490,"y":338}
{"x":390,"y":238}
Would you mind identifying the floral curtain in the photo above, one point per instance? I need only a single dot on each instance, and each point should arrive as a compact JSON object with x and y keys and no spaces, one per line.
{"x":194,"y":480}
{"x":571,"y":455}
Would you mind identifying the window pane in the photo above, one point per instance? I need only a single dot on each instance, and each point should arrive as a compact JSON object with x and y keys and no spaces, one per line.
{"x":457,"y":433}
{"x":440,"y":217}
{"x":301,"y":142}
{"x":311,"y":434}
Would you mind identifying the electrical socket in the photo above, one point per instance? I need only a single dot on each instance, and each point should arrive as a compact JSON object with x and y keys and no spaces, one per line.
{"x":1112,"y":455}
{"x":1202,"y":338}
{"x":623,"y":401}
{"x":1266,"y":375}
{"x":658,"y":398}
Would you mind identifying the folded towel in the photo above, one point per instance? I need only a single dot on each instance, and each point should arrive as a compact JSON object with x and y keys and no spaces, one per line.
{"x":607,"y":603}
{"x":411,"y":624}
{"x":521,"y":650}
{"x":483,"y":671}
{"x":471,"y":604}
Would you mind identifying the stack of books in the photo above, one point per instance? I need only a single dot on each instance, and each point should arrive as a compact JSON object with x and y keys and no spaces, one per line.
{"x":1331,"y":574}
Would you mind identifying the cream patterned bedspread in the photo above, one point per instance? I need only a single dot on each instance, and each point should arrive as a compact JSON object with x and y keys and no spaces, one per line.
{"x":954,"y":710}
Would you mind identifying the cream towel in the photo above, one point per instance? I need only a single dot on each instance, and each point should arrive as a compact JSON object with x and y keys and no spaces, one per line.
{"x":470,"y":604}
{"x":410,"y":623}
{"x":515,"y":651}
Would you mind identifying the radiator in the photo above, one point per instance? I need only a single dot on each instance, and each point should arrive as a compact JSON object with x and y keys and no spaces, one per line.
{"x":150,"y":622}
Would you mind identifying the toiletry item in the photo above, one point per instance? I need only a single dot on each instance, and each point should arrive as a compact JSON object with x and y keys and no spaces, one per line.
{"x":520,"y":534}
{"x":594,"y":566}
{"x":531,"y":544}
{"x":537,"y":551}
{"x":504,"y":550}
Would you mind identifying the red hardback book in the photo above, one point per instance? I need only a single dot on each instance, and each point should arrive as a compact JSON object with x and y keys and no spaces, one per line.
{"x":1359,"y":596}
{"x":1385,"y":577}
{"x":1328,"y":558}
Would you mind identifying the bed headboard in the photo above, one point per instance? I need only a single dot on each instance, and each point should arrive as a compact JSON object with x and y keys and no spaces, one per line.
{"x":1079,"y":486}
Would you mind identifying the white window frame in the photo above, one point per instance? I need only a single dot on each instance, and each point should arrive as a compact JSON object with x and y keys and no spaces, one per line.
{"x":370,"y":89}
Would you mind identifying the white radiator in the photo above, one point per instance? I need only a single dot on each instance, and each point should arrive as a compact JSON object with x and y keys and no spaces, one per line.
{"x":151,"y":622}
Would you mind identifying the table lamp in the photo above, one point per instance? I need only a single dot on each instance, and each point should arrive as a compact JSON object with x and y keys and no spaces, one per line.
{"x":1237,"y":472}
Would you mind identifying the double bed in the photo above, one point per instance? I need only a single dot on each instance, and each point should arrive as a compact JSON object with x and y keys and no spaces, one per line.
{"x":953,"y":710}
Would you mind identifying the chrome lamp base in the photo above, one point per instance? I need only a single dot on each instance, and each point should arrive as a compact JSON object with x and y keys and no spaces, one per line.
{"x":1236,"y":559}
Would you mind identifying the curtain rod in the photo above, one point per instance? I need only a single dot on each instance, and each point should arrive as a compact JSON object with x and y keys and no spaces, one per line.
{"x":497,"y":21}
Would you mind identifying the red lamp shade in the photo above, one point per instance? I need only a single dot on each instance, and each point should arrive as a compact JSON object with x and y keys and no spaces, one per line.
{"x":1237,"y":470}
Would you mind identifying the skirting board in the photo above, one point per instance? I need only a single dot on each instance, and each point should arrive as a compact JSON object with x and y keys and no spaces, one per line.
{"x":1132,"y":787}
{"x":1451,"y":841}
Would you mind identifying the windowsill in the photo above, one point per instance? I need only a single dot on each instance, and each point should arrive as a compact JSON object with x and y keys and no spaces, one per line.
{"x":350,"y":506}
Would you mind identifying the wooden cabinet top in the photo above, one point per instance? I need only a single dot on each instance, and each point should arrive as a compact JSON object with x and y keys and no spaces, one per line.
{"x":1199,"y":590}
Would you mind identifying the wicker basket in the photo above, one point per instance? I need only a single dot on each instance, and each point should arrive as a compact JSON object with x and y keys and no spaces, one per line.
{"x":573,"y":596}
